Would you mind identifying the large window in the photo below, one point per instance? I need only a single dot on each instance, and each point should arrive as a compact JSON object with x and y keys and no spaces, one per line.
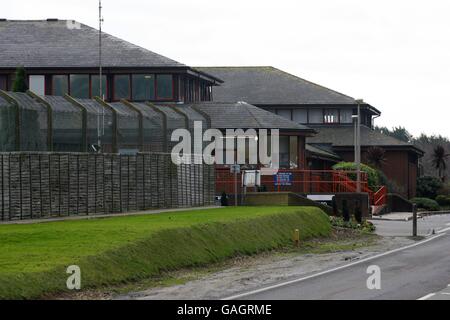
{"x":143,"y":87}
{"x":3,"y":82}
{"x":95,"y":86}
{"x":60,"y":85}
{"x":315,"y":116}
{"x":284,"y":151}
{"x":346,"y":115}
{"x":164,"y":87}
{"x":300,"y":115}
{"x":37,"y":84}
{"x":285,"y":113}
{"x":79,"y":86}
{"x":121,"y":87}
{"x":331,"y":116}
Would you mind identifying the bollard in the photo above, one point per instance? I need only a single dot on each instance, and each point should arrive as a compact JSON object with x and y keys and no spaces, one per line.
{"x":296,"y":237}
{"x":414,"y":220}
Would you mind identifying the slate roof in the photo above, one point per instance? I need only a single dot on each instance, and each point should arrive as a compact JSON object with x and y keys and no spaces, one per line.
{"x":270,"y":86}
{"x":246,"y":116}
{"x":321,"y":152}
{"x":343,"y":136}
{"x":42,"y":43}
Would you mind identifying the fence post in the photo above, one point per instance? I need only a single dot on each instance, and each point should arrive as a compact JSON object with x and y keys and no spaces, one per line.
{"x":114,"y":123}
{"x":164,"y":125}
{"x":414,"y":220}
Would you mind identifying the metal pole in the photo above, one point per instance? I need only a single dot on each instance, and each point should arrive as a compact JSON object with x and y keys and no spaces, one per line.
{"x":414,"y":220}
{"x":235,"y":188}
{"x":358,"y":150}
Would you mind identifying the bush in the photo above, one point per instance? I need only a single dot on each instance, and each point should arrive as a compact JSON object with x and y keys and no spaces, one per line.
{"x":365,"y":226}
{"x":443,"y":200}
{"x":373,"y":175}
{"x":425,"y":203}
{"x":428,"y":187}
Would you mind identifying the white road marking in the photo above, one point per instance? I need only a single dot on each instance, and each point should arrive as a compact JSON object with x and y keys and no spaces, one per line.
{"x":443,"y":230}
{"x":428,"y":296}
{"x":279,"y":285}
{"x":446,"y":293}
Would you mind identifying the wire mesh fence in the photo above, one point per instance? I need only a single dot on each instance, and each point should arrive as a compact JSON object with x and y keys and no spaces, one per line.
{"x":48,"y":184}
{"x":64,"y":124}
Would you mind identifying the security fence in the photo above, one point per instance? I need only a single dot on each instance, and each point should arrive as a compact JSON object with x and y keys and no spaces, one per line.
{"x":64,"y":124}
{"x":54,"y":184}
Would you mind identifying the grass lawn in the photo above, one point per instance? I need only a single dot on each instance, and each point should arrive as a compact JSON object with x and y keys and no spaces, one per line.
{"x":34,"y":257}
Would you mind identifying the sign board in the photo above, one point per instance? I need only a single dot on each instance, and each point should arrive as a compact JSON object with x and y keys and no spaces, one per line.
{"x":235,"y":168}
{"x":283,"y":179}
{"x":251,"y":178}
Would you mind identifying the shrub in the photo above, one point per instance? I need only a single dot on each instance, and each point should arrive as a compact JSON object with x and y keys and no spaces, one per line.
{"x":426,"y":203}
{"x":20,"y":84}
{"x":443,"y":200}
{"x":428,"y":187}
{"x":373,"y":175}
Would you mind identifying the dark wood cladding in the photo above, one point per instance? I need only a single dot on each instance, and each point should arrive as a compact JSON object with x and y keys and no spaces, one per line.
{"x":401,"y":167}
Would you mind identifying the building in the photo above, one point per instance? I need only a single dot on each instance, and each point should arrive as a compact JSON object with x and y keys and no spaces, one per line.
{"x":325,"y":110}
{"x":62,"y":57}
{"x":146,"y":95}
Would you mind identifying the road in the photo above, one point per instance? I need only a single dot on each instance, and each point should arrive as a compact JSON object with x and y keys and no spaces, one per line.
{"x":419,"y":271}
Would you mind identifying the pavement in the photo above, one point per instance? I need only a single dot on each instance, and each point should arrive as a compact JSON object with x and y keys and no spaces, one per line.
{"x":417,"y":271}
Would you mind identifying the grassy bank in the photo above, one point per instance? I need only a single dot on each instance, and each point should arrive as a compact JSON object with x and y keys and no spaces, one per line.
{"x":34,"y":258}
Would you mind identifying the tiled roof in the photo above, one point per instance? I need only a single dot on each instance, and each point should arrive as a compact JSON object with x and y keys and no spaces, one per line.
{"x":270,"y":86}
{"x":246,"y":116}
{"x":343,"y":136}
{"x":65,"y":43}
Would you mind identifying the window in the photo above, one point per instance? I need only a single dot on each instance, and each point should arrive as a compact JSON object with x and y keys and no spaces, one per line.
{"x":37,"y":84}
{"x":95,"y":86}
{"x":79,"y":86}
{"x":143,"y":87}
{"x":285,"y":113}
{"x":121,"y":87}
{"x":331,"y":116}
{"x":60,"y":85}
{"x":284,"y":151}
{"x":164,"y":87}
{"x":3,"y":82}
{"x":346,"y":116}
{"x":300,"y":115}
{"x":293,"y":152}
{"x":315,"y":116}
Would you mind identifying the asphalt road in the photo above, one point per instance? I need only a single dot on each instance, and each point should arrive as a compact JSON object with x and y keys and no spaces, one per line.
{"x":418,"y":271}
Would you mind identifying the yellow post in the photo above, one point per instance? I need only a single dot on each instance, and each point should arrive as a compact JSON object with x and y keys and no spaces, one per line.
{"x":296,"y":237}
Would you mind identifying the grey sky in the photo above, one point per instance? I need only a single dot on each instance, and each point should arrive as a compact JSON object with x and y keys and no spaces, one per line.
{"x":394,"y":54}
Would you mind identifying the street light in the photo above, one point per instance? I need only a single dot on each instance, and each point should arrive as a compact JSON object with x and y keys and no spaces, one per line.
{"x":358,"y":145}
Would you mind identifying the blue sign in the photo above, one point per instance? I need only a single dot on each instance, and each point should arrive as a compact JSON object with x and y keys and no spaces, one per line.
{"x":283,"y":179}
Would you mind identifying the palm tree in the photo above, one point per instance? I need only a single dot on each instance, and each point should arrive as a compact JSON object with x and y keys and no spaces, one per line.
{"x":438,"y":160}
{"x":376,"y":157}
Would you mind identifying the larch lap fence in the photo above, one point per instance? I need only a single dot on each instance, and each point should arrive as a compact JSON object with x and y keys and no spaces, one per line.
{"x":43,"y":185}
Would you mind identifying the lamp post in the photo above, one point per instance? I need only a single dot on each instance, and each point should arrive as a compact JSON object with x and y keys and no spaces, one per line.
{"x":358,"y":145}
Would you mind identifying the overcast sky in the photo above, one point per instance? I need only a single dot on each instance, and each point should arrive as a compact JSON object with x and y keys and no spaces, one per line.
{"x":393,"y":54}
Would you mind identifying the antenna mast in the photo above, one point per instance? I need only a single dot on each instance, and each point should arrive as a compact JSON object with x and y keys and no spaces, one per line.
{"x":100,"y":77}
